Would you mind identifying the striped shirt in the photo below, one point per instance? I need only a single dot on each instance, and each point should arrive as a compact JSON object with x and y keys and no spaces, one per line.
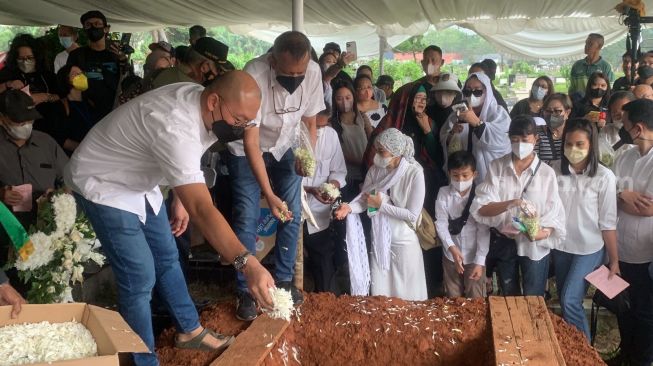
{"x":548,"y":149}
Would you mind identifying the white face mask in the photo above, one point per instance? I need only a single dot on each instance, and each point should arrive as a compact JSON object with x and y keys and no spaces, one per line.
{"x":327,"y":65}
{"x":382,"y":162}
{"x":432,"y":70}
{"x":27,"y":66}
{"x":522,"y":150}
{"x":617,"y":123}
{"x":475,"y":101}
{"x":461,"y":186}
{"x":445,"y":99}
{"x":348,"y":106}
{"x":538,"y":92}
{"x":22,"y":132}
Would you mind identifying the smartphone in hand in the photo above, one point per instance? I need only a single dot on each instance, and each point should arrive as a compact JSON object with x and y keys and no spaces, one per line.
{"x":352,"y":50}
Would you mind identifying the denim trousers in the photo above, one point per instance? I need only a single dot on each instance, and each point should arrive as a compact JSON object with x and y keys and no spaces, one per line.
{"x":636,"y":325}
{"x":142,"y":256}
{"x":246,"y":209}
{"x":570,"y":271}
{"x":534,"y":275}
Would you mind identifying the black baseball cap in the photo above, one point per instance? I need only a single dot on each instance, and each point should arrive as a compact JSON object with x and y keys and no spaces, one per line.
{"x":93,"y":14}
{"x":18,"y":106}
{"x":212,"y":49}
{"x":331,"y":46}
{"x":385,"y":80}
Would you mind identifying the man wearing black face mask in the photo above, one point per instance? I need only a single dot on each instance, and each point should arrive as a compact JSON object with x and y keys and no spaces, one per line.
{"x":633,"y":170}
{"x":291,"y":88}
{"x":102,"y":63}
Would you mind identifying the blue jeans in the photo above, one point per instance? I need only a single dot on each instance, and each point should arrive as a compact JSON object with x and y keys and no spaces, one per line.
{"x":503,"y":257}
{"x":570,"y":271}
{"x":246,"y":209}
{"x":534,"y":275}
{"x":142,"y":256}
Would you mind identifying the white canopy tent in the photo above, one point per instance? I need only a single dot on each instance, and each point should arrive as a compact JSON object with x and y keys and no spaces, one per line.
{"x":526,"y":28}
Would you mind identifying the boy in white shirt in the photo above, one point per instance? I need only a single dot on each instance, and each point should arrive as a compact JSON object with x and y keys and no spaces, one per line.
{"x":319,"y":241}
{"x":465,"y":241}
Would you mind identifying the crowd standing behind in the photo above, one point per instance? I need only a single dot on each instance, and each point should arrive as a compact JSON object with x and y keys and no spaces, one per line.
{"x":564,"y":179}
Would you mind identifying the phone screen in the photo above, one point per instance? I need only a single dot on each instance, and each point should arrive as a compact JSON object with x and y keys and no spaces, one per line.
{"x":351,"y":49}
{"x":126,"y":37}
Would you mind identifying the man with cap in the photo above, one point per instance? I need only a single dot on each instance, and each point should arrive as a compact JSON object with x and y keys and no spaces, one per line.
{"x":102,"y":63}
{"x":291,"y":86}
{"x":115,"y":175}
{"x":201,"y":63}
{"x":387,"y":84}
{"x":32,"y":163}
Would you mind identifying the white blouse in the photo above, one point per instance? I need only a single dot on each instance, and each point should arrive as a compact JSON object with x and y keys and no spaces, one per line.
{"x":590,"y":206}
{"x":330,"y":166}
{"x":502,"y":184}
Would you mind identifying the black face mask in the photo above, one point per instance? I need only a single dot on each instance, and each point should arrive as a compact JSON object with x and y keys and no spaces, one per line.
{"x":290,"y":83}
{"x":95,"y":34}
{"x":226,"y":132}
{"x":625,"y":136}
{"x":597,"y":93}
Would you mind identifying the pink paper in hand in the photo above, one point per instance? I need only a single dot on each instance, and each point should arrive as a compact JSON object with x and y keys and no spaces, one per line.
{"x":25,"y":204}
{"x":610,"y":288}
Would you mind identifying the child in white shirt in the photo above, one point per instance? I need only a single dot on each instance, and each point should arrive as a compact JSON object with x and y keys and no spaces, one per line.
{"x":465,"y":241}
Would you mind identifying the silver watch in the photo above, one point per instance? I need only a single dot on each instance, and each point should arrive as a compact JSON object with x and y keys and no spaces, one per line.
{"x":241,"y":261}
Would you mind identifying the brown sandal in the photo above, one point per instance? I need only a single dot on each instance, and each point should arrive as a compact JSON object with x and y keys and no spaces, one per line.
{"x":198,"y":344}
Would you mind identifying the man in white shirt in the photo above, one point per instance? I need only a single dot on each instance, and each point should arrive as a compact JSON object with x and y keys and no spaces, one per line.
{"x":115,"y":174}
{"x":318,"y":241}
{"x":633,"y":169}
{"x":68,"y":39}
{"x":291,"y":89}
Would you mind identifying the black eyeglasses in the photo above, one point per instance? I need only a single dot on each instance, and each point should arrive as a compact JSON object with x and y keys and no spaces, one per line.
{"x":237,"y":123}
{"x":476,"y":92}
{"x":289,"y":109}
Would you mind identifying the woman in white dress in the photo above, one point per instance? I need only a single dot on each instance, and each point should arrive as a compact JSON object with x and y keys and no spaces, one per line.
{"x":392,"y":195}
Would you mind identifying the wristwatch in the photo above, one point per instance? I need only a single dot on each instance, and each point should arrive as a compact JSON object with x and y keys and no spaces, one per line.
{"x":241,"y":261}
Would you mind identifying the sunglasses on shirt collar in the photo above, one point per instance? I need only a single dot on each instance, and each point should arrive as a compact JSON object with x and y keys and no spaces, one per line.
{"x":476,"y":92}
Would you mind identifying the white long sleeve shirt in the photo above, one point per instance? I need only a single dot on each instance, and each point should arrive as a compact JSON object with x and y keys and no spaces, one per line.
{"x":330,"y":167}
{"x":590,"y":206}
{"x":635,"y":233}
{"x":502,"y":184}
{"x":473,"y":241}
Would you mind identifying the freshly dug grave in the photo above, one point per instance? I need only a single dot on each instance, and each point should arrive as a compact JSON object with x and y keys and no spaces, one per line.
{"x":378,"y":331}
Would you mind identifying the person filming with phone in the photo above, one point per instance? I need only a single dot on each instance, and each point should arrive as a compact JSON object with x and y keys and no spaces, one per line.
{"x":102,"y":62}
{"x":478,"y":125}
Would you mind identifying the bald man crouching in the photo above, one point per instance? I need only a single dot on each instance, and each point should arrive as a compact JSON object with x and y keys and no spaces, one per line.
{"x":115,"y":174}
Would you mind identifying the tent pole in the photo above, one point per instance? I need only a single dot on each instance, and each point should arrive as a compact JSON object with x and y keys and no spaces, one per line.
{"x":382,"y":42}
{"x":298,"y":15}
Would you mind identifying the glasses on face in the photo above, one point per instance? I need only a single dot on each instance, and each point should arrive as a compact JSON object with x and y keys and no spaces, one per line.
{"x":237,"y":123}
{"x":26,"y":58}
{"x":476,"y":92}
{"x":289,"y":109}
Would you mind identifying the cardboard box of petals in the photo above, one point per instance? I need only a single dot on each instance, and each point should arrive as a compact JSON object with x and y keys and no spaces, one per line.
{"x":74,"y":334}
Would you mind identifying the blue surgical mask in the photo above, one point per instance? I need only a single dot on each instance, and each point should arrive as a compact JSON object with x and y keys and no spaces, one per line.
{"x":66,"y":42}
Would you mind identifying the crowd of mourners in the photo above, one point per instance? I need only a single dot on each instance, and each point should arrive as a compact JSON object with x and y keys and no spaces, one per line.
{"x":443,"y":188}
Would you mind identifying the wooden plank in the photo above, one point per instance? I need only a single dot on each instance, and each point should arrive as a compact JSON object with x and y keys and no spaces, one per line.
{"x":543,"y":322}
{"x":523,"y":332}
{"x":503,"y":335}
{"x":254,"y":344}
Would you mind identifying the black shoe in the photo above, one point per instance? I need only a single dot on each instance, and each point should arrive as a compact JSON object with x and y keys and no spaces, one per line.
{"x":245,"y":307}
{"x":297,"y":297}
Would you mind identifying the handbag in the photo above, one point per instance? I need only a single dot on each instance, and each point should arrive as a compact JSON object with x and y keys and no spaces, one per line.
{"x":425,"y":231}
{"x":456,"y":225}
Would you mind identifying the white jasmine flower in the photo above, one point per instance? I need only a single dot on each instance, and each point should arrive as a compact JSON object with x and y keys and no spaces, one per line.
{"x":68,"y":264}
{"x":78,"y":272}
{"x":45,"y":343}
{"x":65,"y":212}
{"x":42,"y":255}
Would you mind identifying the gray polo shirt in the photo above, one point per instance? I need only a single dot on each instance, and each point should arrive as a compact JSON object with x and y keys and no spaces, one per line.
{"x":39,"y":162}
